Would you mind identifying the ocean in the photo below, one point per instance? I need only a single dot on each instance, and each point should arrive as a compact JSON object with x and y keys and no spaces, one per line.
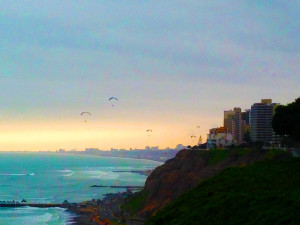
{"x":53,"y":178}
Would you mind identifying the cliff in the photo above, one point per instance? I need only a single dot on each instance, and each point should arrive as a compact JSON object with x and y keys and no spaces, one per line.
{"x":262,"y":193}
{"x":189,"y":167}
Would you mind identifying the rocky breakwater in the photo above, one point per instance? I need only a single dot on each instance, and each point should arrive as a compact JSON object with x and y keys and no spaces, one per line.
{"x":167,"y":182}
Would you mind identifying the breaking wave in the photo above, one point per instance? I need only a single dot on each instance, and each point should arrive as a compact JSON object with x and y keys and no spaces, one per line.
{"x":64,"y":171}
{"x":70,"y":174}
{"x":17,"y":174}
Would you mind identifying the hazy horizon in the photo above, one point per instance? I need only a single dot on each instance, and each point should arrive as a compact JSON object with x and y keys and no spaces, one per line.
{"x":173,"y":65}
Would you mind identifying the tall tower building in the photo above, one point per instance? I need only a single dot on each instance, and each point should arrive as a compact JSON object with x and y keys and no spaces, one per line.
{"x":234,"y":124}
{"x":261,"y":121}
{"x":228,"y":118}
{"x":237,"y":133}
{"x":246,"y":116}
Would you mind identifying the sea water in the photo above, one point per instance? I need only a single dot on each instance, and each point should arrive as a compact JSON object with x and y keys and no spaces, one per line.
{"x":54,"y":177}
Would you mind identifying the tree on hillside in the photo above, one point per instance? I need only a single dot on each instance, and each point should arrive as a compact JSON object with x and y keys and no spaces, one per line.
{"x":286,"y":120}
{"x":247,"y":137}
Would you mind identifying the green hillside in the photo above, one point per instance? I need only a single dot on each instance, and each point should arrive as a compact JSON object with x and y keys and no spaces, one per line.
{"x":266,"y":192}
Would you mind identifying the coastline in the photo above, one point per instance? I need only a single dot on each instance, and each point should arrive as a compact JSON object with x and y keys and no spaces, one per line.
{"x":82,"y":154}
{"x":106,"y":210}
{"x":103,"y":211}
{"x":105,"y":156}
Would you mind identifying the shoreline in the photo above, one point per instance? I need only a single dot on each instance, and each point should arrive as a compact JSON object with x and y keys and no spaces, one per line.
{"x":105,"y":156}
{"x":82,"y":154}
{"x":104,"y":211}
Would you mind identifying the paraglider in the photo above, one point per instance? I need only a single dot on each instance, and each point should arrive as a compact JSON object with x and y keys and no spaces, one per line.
{"x":86,"y":115}
{"x":148,"y":131}
{"x":113,"y":99}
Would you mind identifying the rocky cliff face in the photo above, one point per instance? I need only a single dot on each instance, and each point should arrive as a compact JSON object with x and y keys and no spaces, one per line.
{"x":186,"y":170}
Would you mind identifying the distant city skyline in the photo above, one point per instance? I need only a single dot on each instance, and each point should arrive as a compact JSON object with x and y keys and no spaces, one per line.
{"x":174,"y":65}
{"x":178,"y":147}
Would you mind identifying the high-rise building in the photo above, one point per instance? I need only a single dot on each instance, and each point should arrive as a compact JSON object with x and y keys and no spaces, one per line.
{"x":228,"y":117}
{"x":237,"y":132}
{"x":234,"y":124}
{"x":261,"y":121}
{"x":246,"y":116}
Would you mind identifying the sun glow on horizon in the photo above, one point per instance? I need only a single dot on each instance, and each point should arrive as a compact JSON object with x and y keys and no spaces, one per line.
{"x":53,"y":135}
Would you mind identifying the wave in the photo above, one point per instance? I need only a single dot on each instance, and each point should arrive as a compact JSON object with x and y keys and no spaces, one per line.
{"x":17,"y":174}
{"x":70,"y":174}
{"x":103,"y":175}
{"x":40,"y":198}
{"x":64,"y":171}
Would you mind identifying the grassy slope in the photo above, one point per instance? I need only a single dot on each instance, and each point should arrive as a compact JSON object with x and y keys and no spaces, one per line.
{"x":266,"y":192}
{"x":135,"y":203}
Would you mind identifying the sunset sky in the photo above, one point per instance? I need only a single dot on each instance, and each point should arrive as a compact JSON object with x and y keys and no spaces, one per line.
{"x":173,"y":65}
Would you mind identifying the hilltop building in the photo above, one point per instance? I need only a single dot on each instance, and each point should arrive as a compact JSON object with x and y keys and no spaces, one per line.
{"x":219,"y":137}
{"x":236,"y":123}
{"x":237,"y":131}
{"x":261,"y":121}
{"x":228,"y":118}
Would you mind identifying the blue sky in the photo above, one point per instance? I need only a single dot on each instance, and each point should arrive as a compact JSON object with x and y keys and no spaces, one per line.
{"x":173,"y":65}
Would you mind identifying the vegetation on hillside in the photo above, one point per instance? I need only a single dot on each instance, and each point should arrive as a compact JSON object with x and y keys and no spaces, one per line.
{"x":265,"y":192}
{"x":135,"y":204}
{"x":186,"y":170}
{"x":286,"y":122}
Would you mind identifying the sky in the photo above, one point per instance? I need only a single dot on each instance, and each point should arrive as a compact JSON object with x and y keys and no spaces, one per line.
{"x":173,"y":64}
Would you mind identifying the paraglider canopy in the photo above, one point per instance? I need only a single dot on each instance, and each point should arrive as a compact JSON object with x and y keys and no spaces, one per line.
{"x":148,"y":131}
{"x":113,"y":99}
{"x":86,"y":115}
